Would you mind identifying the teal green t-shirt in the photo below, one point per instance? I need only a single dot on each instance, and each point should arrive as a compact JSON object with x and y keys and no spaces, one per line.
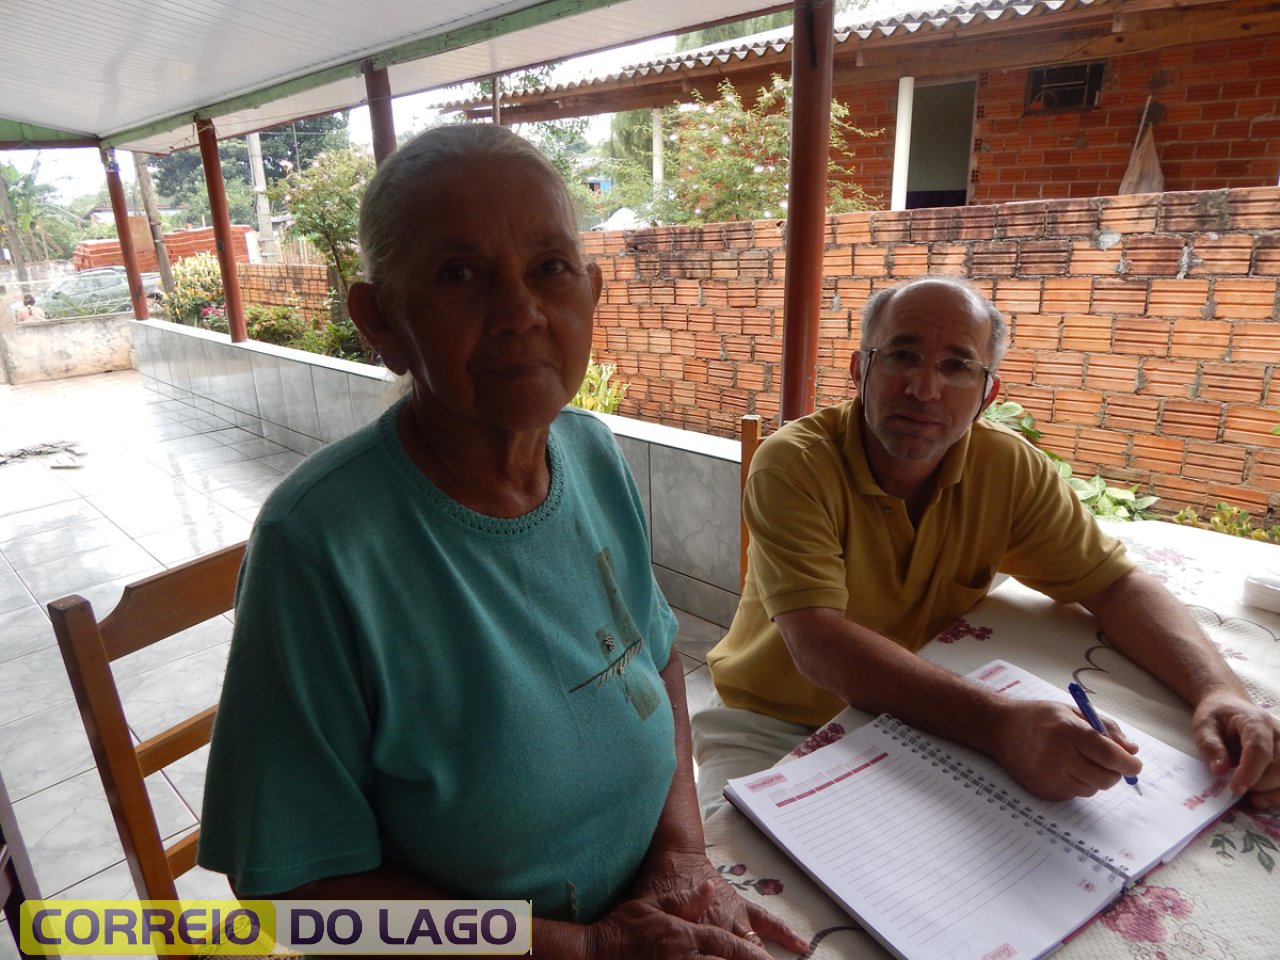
{"x":474,"y":699}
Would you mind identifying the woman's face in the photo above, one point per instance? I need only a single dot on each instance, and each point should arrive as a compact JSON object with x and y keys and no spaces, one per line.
{"x":489,"y":301}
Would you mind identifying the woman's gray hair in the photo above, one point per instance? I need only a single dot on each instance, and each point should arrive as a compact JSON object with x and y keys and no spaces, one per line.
{"x":387,"y":198}
{"x":873,"y":312}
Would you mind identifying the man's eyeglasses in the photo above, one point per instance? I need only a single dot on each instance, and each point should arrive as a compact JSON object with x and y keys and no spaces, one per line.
{"x":953,"y":371}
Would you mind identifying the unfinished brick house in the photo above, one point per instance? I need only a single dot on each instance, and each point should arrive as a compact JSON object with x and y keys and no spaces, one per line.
{"x":1008,"y":101}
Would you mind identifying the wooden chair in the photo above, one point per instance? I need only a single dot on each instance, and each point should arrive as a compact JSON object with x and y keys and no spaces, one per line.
{"x":149,"y":611}
{"x":17,"y":879}
{"x":751,"y":431}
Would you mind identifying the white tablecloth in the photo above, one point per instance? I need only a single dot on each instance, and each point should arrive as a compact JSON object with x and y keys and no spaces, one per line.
{"x":1220,"y":898}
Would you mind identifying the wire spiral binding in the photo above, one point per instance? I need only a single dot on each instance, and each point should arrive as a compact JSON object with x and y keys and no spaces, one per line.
{"x":920,"y":743}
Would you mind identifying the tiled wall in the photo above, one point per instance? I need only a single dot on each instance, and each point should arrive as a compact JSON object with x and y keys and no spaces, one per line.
{"x":299,"y":400}
{"x":689,"y":481}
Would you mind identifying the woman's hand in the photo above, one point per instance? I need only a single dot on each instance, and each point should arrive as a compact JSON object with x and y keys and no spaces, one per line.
{"x":667,"y":926}
{"x":692,"y":889}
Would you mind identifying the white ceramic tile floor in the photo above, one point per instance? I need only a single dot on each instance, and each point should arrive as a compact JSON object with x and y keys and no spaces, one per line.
{"x":158,"y":482}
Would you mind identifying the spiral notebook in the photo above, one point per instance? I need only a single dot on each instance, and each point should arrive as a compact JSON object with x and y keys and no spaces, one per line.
{"x":941,"y":855}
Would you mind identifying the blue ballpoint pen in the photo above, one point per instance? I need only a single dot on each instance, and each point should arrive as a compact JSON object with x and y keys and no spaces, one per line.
{"x":1082,"y":701}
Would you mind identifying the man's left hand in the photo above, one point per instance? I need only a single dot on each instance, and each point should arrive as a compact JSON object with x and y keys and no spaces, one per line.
{"x":729,"y":910}
{"x":1233,"y":732}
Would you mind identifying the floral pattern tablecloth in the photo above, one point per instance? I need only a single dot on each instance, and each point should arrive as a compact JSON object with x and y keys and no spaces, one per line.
{"x":1219,"y":899}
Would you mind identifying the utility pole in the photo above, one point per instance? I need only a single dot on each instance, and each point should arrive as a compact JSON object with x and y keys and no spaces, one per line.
{"x":149,"y":204}
{"x":11,"y":232}
{"x":659,"y":145}
{"x":261,"y":203}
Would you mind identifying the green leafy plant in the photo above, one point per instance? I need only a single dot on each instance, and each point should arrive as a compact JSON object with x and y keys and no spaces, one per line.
{"x":197,"y":284}
{"x":1104,"y":500}
{"x":1228,"y":519}
{"x":599,"y":391}
{"x":1014,"y":416}
{"x":335,"y":338}
{"x":215,"y":319}
{"x":280,"y":325}
{"x":1100,"y":497}
{"x":286,"y":326}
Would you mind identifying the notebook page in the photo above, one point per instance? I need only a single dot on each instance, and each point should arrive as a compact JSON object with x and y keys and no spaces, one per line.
{"x":933,"y":869}
{"x":1179,"y":794}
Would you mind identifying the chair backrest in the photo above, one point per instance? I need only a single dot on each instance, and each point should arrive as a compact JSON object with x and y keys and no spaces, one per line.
{"x":17,"y":879}
{"x":751,"y":432}
{"x":149,"y":611}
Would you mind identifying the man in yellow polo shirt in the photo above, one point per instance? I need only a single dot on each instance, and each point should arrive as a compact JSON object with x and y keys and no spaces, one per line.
{"x":877,"y":522}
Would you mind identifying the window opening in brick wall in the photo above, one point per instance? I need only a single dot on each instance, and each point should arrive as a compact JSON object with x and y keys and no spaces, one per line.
{"x":1068,"y":86}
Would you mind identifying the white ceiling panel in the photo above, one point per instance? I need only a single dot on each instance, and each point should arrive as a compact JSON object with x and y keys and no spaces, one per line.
{"x":134,"y":72}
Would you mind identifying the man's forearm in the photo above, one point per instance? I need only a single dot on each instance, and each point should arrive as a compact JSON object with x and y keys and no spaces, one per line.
{"x":1044,"y":745}
{"x":871,"y":672}
{"x":1151,"y":627}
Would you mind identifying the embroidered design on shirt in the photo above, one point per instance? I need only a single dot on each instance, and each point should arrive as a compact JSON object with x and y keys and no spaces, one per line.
{"x":637,"y":688}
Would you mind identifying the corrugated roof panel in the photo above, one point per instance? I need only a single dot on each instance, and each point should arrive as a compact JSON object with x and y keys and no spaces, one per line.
{"x":954,"y":16}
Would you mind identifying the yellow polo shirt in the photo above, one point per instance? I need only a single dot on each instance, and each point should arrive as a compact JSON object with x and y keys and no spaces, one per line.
{"x":823,"y":534}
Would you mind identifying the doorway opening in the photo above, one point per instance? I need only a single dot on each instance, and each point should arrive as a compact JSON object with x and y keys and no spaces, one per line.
{"x":941,"y":145}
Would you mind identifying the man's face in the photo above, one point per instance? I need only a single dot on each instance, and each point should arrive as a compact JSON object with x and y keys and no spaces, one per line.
{"x":915,"y":416}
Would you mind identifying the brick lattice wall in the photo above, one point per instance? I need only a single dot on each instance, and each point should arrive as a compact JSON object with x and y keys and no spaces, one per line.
{"x":285,"y":284}
{"x":1215,"y":107}
{"x":1146,"y":333}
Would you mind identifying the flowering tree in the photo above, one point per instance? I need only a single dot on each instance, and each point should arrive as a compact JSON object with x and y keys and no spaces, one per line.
{"x":325,"y":202}
{"x":734,"y":159}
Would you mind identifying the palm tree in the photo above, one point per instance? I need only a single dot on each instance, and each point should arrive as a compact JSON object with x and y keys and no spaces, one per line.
{"x":34,"y":210}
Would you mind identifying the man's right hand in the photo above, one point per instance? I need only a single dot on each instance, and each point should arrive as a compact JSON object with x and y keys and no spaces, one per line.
{"x":1052,"y":751}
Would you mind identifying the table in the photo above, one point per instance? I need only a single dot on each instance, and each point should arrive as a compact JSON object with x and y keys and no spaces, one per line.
{"x":1220,"y":898}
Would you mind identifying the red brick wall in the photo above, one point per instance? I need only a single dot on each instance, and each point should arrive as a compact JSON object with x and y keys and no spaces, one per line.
{"x":1216,"y":108}
{"x":262,"y":283}
{"x":1146,"y":332}
{"x":179,"y":244}
{"x":281,"y":284}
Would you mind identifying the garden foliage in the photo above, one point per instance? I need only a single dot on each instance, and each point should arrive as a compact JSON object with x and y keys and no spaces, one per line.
{"x":1101,"y":498}
{"x":599,"y":391}
{"x":324,"y":200}
{"x":197,"y":287}
{"x":734,"y":156}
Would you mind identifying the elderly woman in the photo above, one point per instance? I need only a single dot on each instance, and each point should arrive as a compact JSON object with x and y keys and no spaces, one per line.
{"x":452,"y":673}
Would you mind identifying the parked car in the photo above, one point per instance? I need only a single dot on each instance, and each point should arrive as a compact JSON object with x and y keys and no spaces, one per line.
{"x":102,"y":290}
